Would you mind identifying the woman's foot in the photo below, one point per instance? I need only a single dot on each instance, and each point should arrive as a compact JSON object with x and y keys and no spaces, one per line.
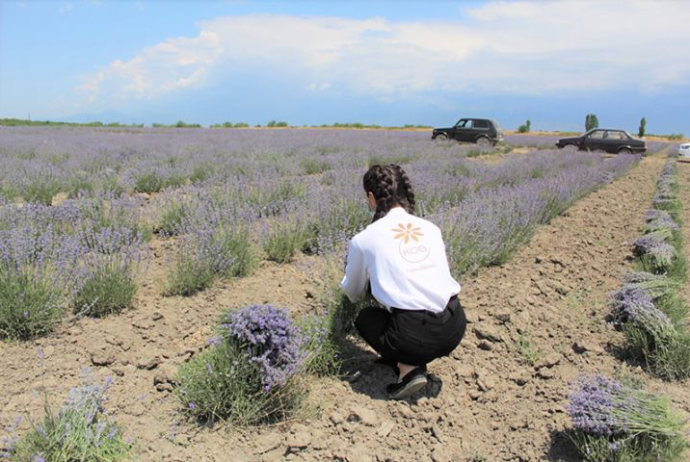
{"x":412,"y":379}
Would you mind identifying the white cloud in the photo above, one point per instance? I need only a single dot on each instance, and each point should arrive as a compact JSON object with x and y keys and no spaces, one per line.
{"x":524,"y":47}
{"x":169,"y":66}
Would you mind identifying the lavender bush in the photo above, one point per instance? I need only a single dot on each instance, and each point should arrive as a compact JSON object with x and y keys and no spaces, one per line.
{"x":247,"y":373}
{"x":270,"y":339}
{"x":105,"y":210}
{"x":614,"y":422}
{"x":283,"y":238}
{"x":79,"y":430}
{"x":35,"y":263}
{"x":320,"y":346}
{"x":210,"y":253}
{"x":107,"y":282}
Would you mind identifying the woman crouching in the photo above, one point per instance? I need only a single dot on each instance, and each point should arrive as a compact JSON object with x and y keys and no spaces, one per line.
{"x":403,"y":259}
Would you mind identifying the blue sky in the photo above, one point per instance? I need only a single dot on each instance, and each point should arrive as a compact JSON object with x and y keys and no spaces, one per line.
{"x":382,"y":62}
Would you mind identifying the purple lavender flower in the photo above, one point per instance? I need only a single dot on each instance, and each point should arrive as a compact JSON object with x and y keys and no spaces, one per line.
{"x":632,"y":304}
{"x":657,"y":285}
{"x":657,"y":249}
{"x":592,"y":404}
{"x":271,"y":340}
{"x":213,"y":341}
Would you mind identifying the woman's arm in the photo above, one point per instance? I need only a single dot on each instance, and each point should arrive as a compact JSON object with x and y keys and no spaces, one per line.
{"x":355,"y":280}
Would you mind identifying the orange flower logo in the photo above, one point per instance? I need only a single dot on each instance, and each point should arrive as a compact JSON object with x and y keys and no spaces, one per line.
{"x":407,"y":233}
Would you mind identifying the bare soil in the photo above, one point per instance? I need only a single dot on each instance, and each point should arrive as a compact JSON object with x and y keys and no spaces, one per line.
{"x":535,"y":324}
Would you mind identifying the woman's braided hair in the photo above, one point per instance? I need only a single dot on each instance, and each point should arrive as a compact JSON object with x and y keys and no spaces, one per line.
{"x":390,"y":186}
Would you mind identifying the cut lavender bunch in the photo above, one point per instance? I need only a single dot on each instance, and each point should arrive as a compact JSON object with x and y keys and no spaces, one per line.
{"x":662,"y":222}
{"x":655,"y":251}
{"x":636,"y":306}
{"x":658,"y":285}
{"x":654,"y":214}
{"x":616,"y":422}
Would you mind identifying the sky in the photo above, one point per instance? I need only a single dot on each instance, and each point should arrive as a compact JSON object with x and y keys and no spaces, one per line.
{"x":372,"y":62}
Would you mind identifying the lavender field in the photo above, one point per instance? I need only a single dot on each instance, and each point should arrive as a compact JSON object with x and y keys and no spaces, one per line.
{"x":86,"y":213}
{"x":80,"y":206}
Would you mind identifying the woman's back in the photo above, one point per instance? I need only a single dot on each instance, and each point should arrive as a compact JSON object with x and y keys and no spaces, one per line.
{"x":405,"y":259}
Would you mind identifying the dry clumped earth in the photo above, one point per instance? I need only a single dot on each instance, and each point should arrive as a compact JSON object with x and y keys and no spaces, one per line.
{"x":535,"y":324}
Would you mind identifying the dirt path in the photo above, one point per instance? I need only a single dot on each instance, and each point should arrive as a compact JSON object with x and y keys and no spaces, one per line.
{"x":535,"y":322}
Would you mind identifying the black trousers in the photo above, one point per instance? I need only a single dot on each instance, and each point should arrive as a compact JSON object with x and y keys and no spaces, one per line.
{"x":413,"y":337}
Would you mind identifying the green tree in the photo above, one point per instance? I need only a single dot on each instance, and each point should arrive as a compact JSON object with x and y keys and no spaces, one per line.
{"x":591,"y":121}
{"x":643,"y":127}
{"x":526,"y":127}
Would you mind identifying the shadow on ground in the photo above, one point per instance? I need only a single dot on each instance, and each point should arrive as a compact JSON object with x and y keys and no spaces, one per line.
{"x":562,"y":448}
{"x":368,"y":378}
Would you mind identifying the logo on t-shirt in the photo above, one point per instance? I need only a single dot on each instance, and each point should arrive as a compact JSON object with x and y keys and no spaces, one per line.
{"x":411,"y":247}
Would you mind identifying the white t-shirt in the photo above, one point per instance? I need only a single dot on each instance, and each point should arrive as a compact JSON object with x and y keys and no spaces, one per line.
{"x":405,"y":259}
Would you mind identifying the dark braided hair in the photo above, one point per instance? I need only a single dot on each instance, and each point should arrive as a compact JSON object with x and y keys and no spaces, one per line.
{"x":405,"y":193}
{"x":390,"y":186}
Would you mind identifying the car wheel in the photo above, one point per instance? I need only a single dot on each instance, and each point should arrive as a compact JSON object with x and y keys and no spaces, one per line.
{"x":624,"y":151}
{"x":441,"y":137}
{"x":570,"y":148}
{"x":483,"y":141}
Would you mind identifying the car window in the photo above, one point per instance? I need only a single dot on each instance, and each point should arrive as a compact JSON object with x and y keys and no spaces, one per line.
{"x":613,"y":135}
{"x":462,"y":123}
{"x":597,"y":135}
{"x":484,"y":124}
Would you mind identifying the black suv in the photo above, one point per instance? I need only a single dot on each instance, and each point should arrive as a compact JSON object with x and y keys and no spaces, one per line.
{"x":484,"y":132}
{"x":604,"y":139}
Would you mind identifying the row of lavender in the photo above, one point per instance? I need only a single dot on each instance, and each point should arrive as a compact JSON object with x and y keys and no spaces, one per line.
{"x":38,"y":163}
{"x":647,"y":306}
{"x":615,"y":420}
